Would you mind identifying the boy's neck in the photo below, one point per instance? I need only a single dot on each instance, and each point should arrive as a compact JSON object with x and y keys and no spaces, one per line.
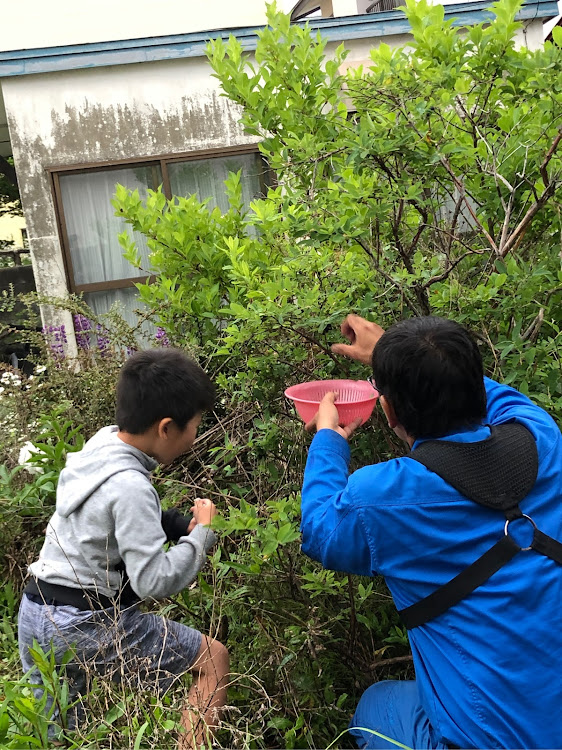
{"x":143,"y":442}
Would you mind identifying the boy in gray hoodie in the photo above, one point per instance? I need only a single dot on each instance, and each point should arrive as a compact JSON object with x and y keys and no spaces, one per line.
{"x":103,"y":550}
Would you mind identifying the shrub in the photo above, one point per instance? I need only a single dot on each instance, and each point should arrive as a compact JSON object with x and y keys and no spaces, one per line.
{"x":429,"y":183}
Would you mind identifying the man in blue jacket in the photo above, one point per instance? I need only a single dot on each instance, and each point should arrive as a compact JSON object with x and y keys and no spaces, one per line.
{"x":479,"y":581}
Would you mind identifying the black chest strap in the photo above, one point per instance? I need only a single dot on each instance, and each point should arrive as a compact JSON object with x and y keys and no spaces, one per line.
{"x":497,"y":473}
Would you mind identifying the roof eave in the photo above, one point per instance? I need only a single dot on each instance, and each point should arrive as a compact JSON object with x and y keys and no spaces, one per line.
{"x":151,"y":49}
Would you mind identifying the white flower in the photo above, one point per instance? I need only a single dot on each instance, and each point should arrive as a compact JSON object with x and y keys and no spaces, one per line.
{"x":2,"y":389}
{"x":39,"y":369}
{"x":10,"y":378}
{"x":26,"y":452}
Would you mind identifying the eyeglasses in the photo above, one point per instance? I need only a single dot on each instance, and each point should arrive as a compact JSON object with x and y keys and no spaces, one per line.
{"x":371,"y":381}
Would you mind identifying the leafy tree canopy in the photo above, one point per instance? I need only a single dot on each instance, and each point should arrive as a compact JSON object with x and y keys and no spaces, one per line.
{"x":429,"y":182}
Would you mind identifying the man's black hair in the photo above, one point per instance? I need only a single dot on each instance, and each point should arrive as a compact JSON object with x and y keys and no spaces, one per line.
{"x":159,"y":383}
{"x":430,"y":370}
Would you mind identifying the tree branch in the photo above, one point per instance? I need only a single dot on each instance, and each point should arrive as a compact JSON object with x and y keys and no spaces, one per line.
{"x":521,"y":228}
{"x":533,"y":330}
{"x":460,"y":187}
{"x":454,"y":264}
{"x":410,"y":303}
{"x":549,"y":154}
{"x":391,"y":660}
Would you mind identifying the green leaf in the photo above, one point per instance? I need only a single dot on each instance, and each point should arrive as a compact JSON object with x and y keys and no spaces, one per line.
{"x":140,"y":733}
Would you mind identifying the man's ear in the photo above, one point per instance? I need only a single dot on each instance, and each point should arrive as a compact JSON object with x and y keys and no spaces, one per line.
{"x":389,"y":412}
{"x":393,"y":422}
{"x":163,"y":428}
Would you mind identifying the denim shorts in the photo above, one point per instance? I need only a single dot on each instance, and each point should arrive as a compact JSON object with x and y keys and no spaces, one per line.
{"x":140,"y":651}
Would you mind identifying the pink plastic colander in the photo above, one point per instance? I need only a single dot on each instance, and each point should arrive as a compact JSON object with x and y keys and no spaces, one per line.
{"x":357,"y":398}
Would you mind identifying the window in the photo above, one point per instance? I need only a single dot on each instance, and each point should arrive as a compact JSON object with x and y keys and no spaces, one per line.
{"x":381,"y":6}
{"x":89,"y":230}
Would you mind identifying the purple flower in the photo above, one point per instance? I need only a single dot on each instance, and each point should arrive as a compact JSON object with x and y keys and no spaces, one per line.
{"x":162,"y":337}
{"x":55,"y":336}
{"x":82,"y":326}
{"x":131,"y":350}
{"x":103,"y":340}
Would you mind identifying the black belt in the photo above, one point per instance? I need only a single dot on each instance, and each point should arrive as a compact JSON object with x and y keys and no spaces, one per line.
{"x":83,"y":599}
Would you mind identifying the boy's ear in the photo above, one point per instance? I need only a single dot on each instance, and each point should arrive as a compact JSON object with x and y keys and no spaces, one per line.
{"x":163,"y":427}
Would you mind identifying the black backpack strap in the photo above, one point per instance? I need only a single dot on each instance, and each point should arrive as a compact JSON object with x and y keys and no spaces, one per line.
{"x":547,"y":546}
{"x":496,"y":473}
{"x":460,"y":586}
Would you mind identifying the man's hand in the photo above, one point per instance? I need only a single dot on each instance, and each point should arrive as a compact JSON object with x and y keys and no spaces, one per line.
{"x":363,"y":337}
{"x":203,"y":511}
{"x":327,"y":418}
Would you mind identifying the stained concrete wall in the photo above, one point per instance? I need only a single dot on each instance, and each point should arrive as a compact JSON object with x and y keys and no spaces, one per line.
{"x":106,"y":114}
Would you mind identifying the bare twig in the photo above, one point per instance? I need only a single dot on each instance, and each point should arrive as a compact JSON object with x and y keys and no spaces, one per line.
{"x":549,"y":154}
{"x":392,"y":660}
{"x":461,"y":188}
{"x":409,"y":302}
{"x":521,"y":228}
{"x":532,"y":331}
{"x":452,"y":265}
{"x":507,"y":217}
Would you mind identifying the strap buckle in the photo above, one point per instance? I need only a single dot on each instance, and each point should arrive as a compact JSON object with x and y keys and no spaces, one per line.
{"x":528,"y":518}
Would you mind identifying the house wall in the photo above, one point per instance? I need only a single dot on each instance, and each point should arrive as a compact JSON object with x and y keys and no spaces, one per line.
{"x":36,"y":23}
{"x":100,"y":115}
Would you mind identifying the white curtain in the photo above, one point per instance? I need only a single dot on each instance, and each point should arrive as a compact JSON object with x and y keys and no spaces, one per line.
{"x":92,"y":227}
{"x":127,"y":302}
{"x":205,"y":178}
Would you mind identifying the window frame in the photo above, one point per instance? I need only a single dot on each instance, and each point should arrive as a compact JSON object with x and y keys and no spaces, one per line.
{"x":162,"y":161}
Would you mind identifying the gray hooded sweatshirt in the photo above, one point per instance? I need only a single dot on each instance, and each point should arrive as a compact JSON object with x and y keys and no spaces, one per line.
{"x":106,"y":511}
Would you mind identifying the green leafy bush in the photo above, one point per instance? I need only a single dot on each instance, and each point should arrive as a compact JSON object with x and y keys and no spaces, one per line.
{"x":429,"y":183}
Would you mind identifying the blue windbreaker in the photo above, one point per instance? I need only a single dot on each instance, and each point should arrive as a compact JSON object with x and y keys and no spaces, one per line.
{"x":489,"y":670}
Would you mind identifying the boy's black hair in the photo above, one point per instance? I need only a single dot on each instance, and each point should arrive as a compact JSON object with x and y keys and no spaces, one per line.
{"x":159,"y":383}
{"x":430,"y":370}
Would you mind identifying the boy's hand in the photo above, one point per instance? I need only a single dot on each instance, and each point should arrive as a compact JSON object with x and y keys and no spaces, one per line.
{"x":192,"y":525}
{"x":328,"y":418}
{"x":203,"y":511}
{"x":363,"y":337}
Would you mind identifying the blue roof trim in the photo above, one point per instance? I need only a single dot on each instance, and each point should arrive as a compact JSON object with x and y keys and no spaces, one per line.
{"x":124,"y":52}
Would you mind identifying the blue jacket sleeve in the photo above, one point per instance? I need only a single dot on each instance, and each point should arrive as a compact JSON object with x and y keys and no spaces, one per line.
{"x":505,"y":404}
{"x":333,"y":528}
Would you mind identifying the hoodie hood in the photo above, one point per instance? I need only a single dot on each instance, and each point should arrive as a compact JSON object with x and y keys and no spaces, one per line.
{"x":103,"y":456}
